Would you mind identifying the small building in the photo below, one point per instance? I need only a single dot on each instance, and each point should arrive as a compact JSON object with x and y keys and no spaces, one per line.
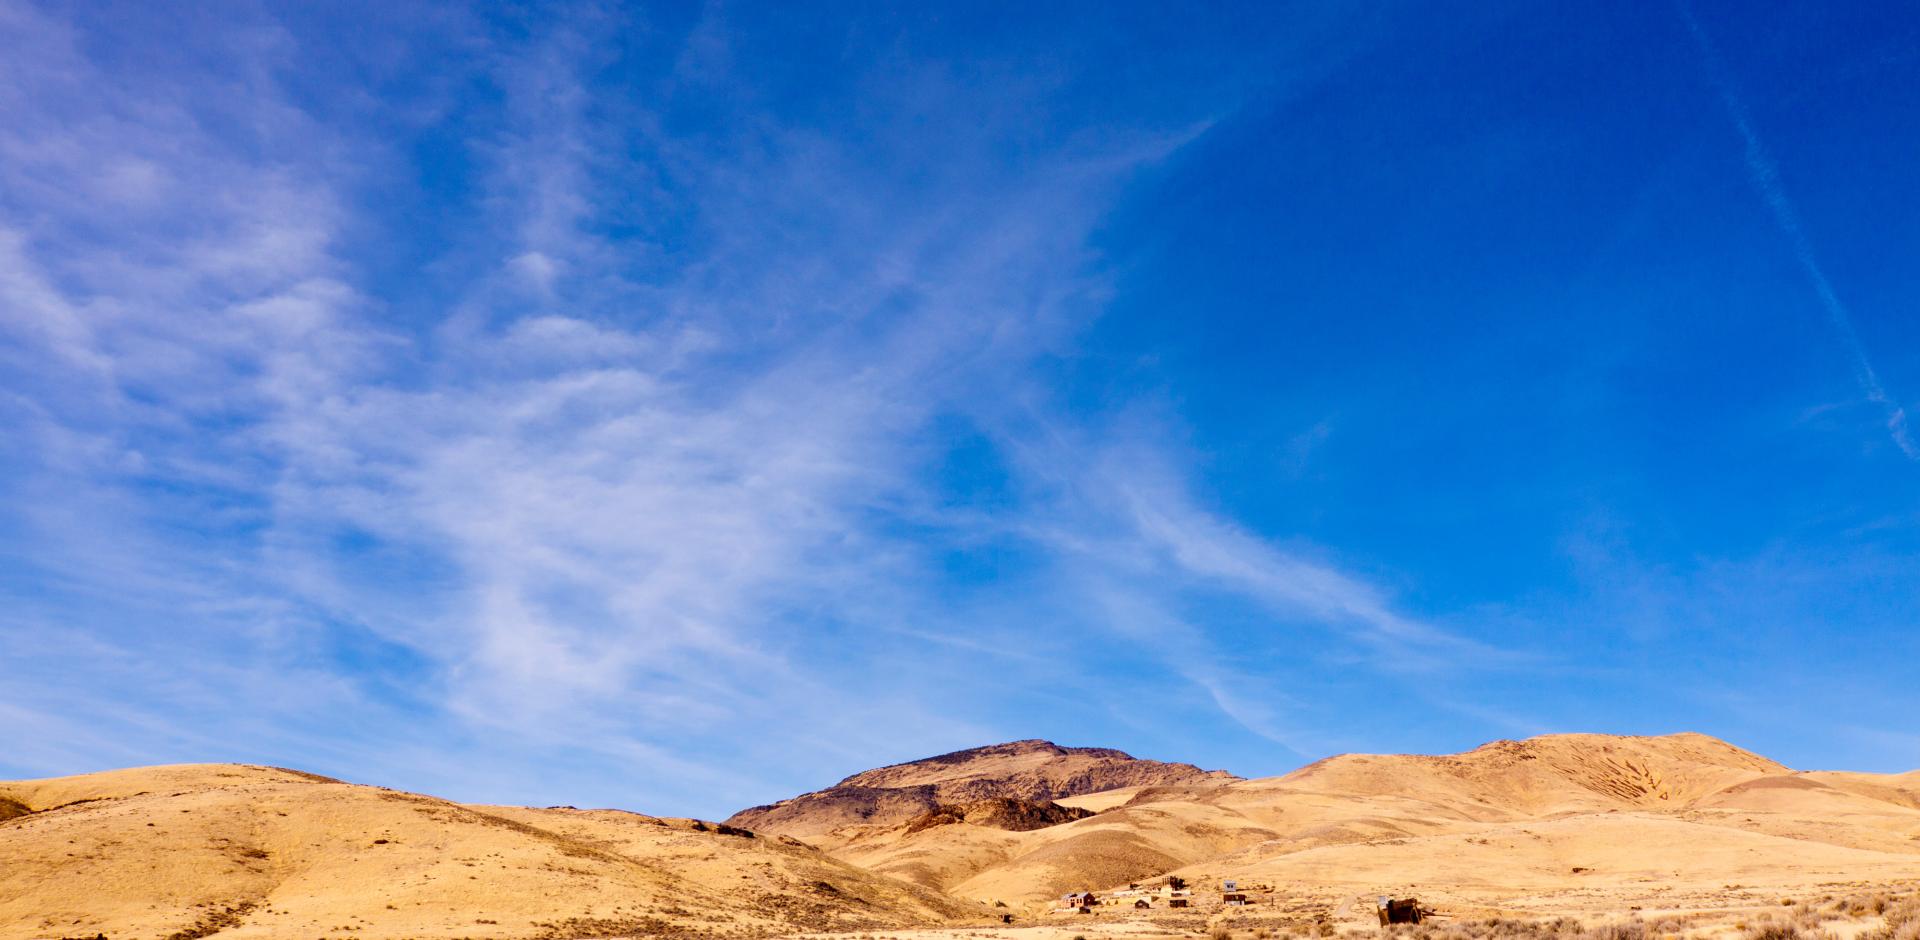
{"x":1233,"y":899}
{"x":1176,"y":902}
{"x":1401,"y":911}
{"x":1083,"y":900}
{"x":1142,"y":904}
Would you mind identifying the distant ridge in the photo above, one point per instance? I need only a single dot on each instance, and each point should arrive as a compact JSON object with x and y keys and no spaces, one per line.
{"x":1625,"y":799}
{"x":1032,"y":772}
{"x":1582,"y":823}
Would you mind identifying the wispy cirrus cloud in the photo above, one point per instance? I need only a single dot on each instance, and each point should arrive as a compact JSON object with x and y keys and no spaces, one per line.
{"x":1764,"y":174}
{"x":634,"y":471}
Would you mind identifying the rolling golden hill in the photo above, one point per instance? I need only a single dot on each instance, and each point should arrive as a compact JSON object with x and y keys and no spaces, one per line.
{"x":1511,"y":819}
{"x":248,"y":852}
{"x":1591,"y":825}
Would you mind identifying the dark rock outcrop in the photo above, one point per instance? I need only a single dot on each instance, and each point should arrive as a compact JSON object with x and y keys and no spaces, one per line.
{"x":1006,"y":786}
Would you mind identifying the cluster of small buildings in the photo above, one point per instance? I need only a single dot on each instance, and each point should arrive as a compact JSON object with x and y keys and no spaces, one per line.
{"x":1172,"y":893}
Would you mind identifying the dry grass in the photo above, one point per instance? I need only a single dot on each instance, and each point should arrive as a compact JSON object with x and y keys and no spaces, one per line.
{"x":1499,"y":928}
{"x":1902,"y":918}
{"x":1896,"y":911}
{"x":1899,"y":916}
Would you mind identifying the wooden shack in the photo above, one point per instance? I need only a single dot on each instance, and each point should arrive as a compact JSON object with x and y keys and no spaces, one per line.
{"x":1400,"y":911}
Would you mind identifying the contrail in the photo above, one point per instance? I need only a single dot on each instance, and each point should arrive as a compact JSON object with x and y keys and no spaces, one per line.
{"x":1765,"y":176}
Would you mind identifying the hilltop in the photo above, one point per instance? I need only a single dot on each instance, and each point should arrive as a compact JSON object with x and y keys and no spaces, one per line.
{"x":248,"y":851}
{"x":1579,"y":812}
{"x":1013,"y":786}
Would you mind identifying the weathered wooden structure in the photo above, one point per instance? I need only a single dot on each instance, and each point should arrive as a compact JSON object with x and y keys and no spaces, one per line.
{"x":1401,"y":911}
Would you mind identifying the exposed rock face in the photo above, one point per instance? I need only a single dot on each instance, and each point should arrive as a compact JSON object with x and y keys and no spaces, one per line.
{"x":1032,"y":770}
{"x":1025,"y":776}
{"x":1001,"y":813}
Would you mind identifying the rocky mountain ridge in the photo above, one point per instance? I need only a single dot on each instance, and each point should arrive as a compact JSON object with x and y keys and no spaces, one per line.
{"x":1561,"y":823}
{"x":1012,"y":785}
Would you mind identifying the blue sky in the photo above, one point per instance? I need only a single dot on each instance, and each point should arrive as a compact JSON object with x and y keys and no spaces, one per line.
{"x":676,"y":407}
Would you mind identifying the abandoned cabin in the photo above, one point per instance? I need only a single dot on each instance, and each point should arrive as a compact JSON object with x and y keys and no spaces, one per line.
{"x":1400,"y":911}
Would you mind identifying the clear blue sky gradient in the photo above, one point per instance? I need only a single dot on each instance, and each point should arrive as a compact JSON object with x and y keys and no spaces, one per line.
{"x":676,"y":407}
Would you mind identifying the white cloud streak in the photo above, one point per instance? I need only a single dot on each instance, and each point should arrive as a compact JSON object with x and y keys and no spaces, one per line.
{"x":605,"y":505}
{"x":1764,"y":173}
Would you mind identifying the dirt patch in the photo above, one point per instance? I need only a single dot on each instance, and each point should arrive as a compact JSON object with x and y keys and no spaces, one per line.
{"x":215,"y":921}
{"x":316,"y":778}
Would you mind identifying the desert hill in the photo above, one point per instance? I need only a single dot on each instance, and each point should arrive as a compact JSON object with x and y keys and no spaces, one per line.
{"x":1563,"y":821}
{"x":1018,"y":782}
{"x":1572,"y":812}
{"x":244,"y":851}
{"x":1588,"y":825}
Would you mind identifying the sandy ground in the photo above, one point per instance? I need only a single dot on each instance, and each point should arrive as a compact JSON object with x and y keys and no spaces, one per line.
{"x":1835,"y":911}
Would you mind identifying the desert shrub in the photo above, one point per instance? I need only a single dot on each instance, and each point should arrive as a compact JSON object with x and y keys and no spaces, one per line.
{"x":1220,"y":932}
{"x":1785,"y":931}
{"x":1902,"y":920}
{"x":1563,"y":928}
{"x":1631,"y":930}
